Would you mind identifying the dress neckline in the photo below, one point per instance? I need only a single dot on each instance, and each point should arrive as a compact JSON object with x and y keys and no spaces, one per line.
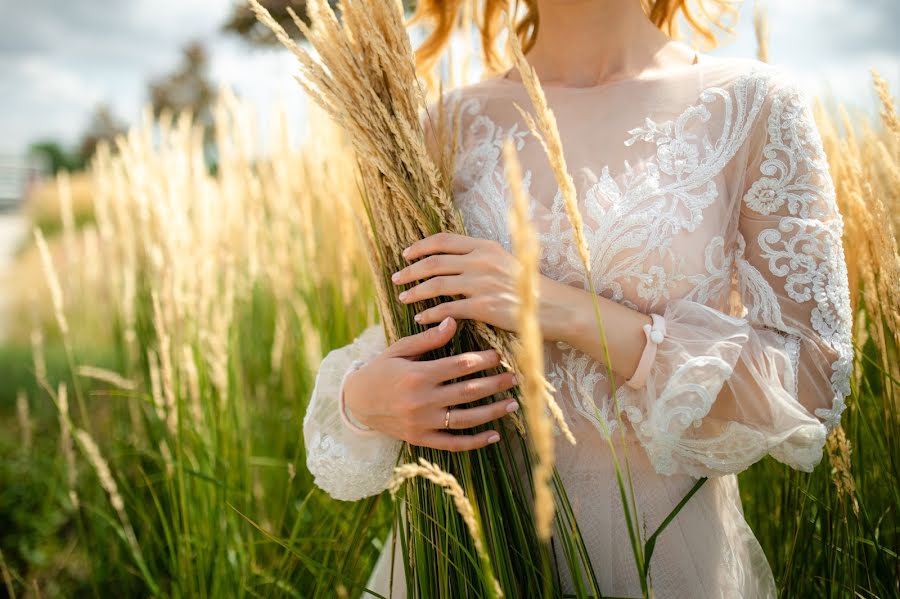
{"x":699,"y":61}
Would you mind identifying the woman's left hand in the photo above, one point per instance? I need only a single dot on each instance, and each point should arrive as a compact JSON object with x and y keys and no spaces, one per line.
{"x":479,"y":270}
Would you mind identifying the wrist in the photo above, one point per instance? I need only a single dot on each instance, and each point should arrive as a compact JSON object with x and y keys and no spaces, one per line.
{"x":561,"y":310}
{"x":346,"y":399}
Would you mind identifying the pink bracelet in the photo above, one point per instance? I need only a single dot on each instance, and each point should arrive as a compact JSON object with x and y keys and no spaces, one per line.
{"x":655,"y":334}
{"x":348,"y":420}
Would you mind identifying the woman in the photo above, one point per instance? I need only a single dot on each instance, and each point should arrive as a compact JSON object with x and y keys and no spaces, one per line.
{"x":716,"y":247}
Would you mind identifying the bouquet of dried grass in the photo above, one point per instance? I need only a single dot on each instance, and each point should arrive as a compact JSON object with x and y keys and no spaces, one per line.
{"x":364,"y":77}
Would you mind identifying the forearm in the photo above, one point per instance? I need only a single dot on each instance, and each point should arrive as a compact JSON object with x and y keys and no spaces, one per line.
{"x":568,"y":314}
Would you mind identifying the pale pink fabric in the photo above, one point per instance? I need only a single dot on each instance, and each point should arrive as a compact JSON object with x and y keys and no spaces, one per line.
{"x":707,"y":199}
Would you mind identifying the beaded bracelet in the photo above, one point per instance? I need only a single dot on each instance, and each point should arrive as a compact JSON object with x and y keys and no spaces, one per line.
{"x":654,"y":334}
{"x":348,"y":420}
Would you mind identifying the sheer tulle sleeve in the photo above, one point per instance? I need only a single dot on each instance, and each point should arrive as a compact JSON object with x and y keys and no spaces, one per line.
{"x":344,"y":463}
{"x":724,"y":391}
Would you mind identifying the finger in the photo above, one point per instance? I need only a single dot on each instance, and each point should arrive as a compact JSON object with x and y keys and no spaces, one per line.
{"x":460,"y":365}
{"x":430,"y":266}
{"x":474,"y":389}
{"x":435,"y":287}
{"x":433,"y":338}
{"x":470,"y":417}
{"x":452,"y":442}
{"x":441,"y":243}
{"x":459,"y":309}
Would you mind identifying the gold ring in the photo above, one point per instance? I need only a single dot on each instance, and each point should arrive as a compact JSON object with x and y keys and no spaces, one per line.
{"x":447,"y":418}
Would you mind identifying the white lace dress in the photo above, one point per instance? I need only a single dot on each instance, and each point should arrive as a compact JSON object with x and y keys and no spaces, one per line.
{"x":707,"y":199}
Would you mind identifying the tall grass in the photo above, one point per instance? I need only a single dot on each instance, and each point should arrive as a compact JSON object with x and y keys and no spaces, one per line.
{"x":184,"y":473}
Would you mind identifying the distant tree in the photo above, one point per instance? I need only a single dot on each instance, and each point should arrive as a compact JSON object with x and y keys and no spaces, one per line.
{"x":56,"y":156}
{"x":188,"y":88}
{"x":243,"y":22}
{"x":103,"y":126}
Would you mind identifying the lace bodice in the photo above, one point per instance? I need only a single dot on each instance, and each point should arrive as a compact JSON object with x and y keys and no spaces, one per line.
{"x":706,"y":198}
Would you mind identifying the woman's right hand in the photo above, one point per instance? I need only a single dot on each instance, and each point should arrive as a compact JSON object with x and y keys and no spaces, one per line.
{"x":404,"y":397}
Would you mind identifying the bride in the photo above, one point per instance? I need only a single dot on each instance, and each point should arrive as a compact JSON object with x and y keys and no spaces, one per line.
{"x":715,"y":245}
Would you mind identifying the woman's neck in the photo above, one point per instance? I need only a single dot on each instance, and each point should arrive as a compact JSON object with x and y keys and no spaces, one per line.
{"x":588,"y":42}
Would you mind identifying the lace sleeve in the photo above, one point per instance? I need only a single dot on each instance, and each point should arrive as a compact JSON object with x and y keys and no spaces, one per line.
{"x":344,"y":463}
{"x":725,"y":391}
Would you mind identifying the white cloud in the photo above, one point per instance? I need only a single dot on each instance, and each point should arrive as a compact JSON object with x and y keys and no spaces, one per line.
{"x":828,"y":45}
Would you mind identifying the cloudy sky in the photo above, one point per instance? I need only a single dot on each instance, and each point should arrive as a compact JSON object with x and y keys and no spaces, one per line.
{"x":60,"y":58}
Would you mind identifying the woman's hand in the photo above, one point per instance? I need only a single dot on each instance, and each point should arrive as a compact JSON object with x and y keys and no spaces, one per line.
{"x":406,"y":398}
{"x":479,"y":270}
{"x":484,"y":274}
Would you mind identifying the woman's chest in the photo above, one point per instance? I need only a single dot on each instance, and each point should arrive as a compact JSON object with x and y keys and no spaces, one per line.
{"x":656,"y":200}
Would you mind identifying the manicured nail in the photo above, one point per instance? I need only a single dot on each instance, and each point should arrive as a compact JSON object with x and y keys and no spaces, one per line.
{"x":406,"y":253}
{"x":395,"y":277}
{"x":403,"y":296}
{"x":418,"y":318}
{"x":444,"y":323}
{"x":512,"y":407}
{"x":494,"y":438}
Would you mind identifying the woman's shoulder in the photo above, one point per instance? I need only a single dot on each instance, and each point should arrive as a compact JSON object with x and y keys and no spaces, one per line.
{"x":724,"y":71}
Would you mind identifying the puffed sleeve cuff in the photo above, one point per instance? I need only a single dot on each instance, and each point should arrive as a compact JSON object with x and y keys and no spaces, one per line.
{"x":718,"y":397}
{"x":344,"y":463}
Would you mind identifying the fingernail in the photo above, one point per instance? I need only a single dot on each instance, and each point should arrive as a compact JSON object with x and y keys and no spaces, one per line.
{"x":512,"y":407}
{"x":418,"y":318}
{"x":494,"y":438}
{"x":403,"y":296}
{"x":444,"y":323}
{"x":515,"y":379}
{"x":395,"y":277}
{"x":405,"y":253}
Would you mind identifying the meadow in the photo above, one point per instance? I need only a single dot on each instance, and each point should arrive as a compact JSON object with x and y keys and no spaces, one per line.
{"x":168,"y":322}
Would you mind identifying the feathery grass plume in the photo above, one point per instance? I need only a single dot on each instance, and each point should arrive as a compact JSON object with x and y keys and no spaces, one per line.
{"x":26,"y":426}
{"x":166,"y":370}
{"x":530,"y":357}
{"x":65,"y":442}
{"x":761,"y":29}
{"x":451,"y":487}
{"x":156,"y":392}
{"x":839,"y":456}
{"x":192,"y":381}
{"x":53,"y":285}
{"x":37,"y":355}
{"x":529,"y":345}
{"x":888,"y":110}
{"x":101,"y":467}
{"x":107,"y":376}
{"x":530,"y":342}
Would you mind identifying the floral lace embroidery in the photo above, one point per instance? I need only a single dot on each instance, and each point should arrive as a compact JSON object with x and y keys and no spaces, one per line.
{"x":806,"y":248}
{"x":630,"y":220}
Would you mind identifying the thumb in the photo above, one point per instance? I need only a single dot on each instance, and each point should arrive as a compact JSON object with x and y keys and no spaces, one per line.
{"x":432,"y":338}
